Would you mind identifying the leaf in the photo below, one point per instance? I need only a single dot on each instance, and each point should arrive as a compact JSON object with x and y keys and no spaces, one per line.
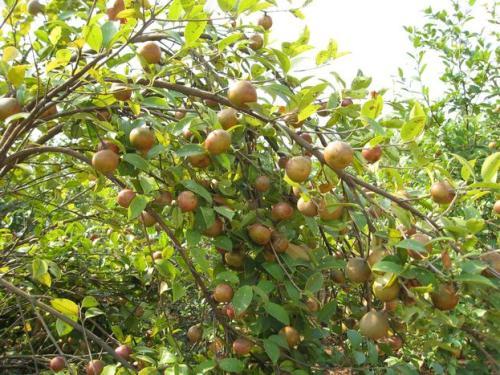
{"x":475,"y":279}
{"x":93,"y":36}
{"x":315,"y":282}
{"x":193,"y":31}
{"x":373,"y":107}
{"x":224,"y":211}
{"x":16,"y":75}
{"x":65,"y":306}
{"x":231,"y":365}
{"x":10,"y":53}
{"x":410,"y":244}
{"x":89,"y":301}
{"x":415,"y":125}
{"x":93,"y":311}
{"x":386,"y":266}
{"x":127,"y":13}
{"x":55,"y":35}
{"x":109,"y":370}
{"x":136,"y":207}
{"x":490,"y":167}
{"x":39,"y":267}
{"x":137,"y":161}
{"x":226,"y":5}
{"x":242,"y":298}
{"x":307,"y":111}
{"x":108,"y":30}
{"x":190,"y":150}
{"x":178,"y":291}
{"x":198,"y":189}
{"x":272,"y":350}
{"x":326,"y":313}
{"x":354,"y":338}
{"x":467,"y":167}
{"x":223,"y":242}
{"x":63,"y":328}
{"x":277,"y":312}
{"x":245,"y":5}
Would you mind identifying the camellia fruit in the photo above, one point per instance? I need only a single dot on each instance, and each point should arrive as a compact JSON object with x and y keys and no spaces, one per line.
{"x":150,"y":52}
{"x":329,"y":213}
{"x":95,"y":367}
{"x":180,"y":114}
{"x":376,"y":255}
{"x":218,"y":142}
{"x":216,"y":346}
{"x":105,"y":161}
{"x":242,"y":93}
{"x":338,"y":154}
{"x":496,"y":207}
{"x":57,"y":364}
{"x":346,"y":102}
{"x":338,"y":276}
{"x":199,"y":161}
{"x":374,"y":325}
{"x":312,"y":305}
{"x":425,"y":241}
{"x":383,"y":292}
{"x":291,"y":336}
{"x":215,"y":229}
{"x":157,"y":255}
{"x":279,"y":242}
{"x":298,"y":168}
{"x":142,"y":138}
{"x":358,"y":270}
{"x":256,"y":41}
{"x":187,"y":201}
{"x":307,"y":208}
{"x":108,"y":145}
{"x":223,"y":293}
{"x":125,"y":197}
{"x":9,"y":107}
{"x":163,"y":199}
{"x":124,"y":351}
{"x":372,"y":155}
{"x":35,"y":7}
{"x":121,"y":92}
{"x":262,"y":184}
{"x":445,"y":297}
{"x":147,"y":219}
{"x":265,"y":21}
{"x":228,"y":118}
{"x":281,"y":211}
{"x":242,"y":346}
{"x":259,"y":234}
{"x":442,"y":192}
{"x":234,"y":259}
{"x":194,"y":334}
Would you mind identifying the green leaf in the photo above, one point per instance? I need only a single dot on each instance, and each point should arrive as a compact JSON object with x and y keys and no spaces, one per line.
{"x":38,"y":268}
{"x":93,"y":36}
{"x":190,"y":150}
{"x":109,"y":370}
{"x":354,"y":338}
{"x":223,"y":242}
{"x":228,"y":276}
{"x":326,"y":313}
{"x":175,"y":10}
{"x":272,"y":350}
{"x":315,"y":282}
{"x":55,"y":35}
{"x":198,"y":189}
{"x":224,"y":211}
{"x":415,"y":125}
{"x":89,"y":301}
{"x":373,"y":107}
{"x":136,"y":207}
{"x":386,"y":266}
{"x":178,"y":291}
{"x":65,"y":306}
{"x":193,"y":31}
{"x":277,"y":312}
{"x":108,"y":30}
{"x":410,"y":244}
{"x":226,"y":5}
{"x":308,"y":111}
{"x":231,"y":365}
{"x":63,"y":328}
{"x":93,"y":311}
{"x":475,"y":279}
{"x":245,"y":5}
{"x":242,"y":298}
{"x":490,"y":167}
{"x":137,"y":161}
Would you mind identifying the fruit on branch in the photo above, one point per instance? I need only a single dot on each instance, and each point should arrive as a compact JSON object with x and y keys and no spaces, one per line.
{"x":281,"y":211}
{"x":223,"y":293}
{"x":117,"y":7}
{"x":95,"y":367}
{"x":212,"y":103}
{"x":259,"y":234}
{"x":187,"y":201}
{"x":124,"y":351}
{"x":496,"y":207}
{"x":215,"y":229}
{"x":492,"y":145}
{"x":442,"y":192}
{"x":35,"y":7}
{"x":180,"y":114}
{"x":194,"y":334}
{"x":306,"y":137}
{"x":157,"y":255}
{"x":57,"y":364}
{"x":279,"y":242}
{"x":493,"y":261}
{"x":265,"y":21}
{"x":384,"y":292}
{"x":391,"y":305}
{"x":282,"y":161}
{"x":292,"y":119}
{"x":150,"y":52}
{"x":147,"y":219}
{"x":445,"y":297}
{"x":329,"y":213}
{"x":338,"y":154}
{"x":372,"y":155}
{"x":234,"y":259}
{"x":256,"y":41}
{"x":125,"y":197}
{"x":142,"y":138}
{"x":228,"y":117}
{"x":242,"y":93}
{"x":105,"y":161}
{"x":346,"y":102}
{"x":163,"y":199}
{"x":121,"y":92}
{"x":262,"y":184}
{"x":425,"y":241}
{"x":9,"y":107}
{"x":325,"y":188}
{"x":312,"y":305}
{"x":217,"y":142}
{"x":323,"y":110}
{"x":291,"y":336}
{"x":307,"y":208}
{"x":298,"y":252}
{"x":376,"y":255}
{"x":374,"y":325}
{"x":338,"y":276}
{"x":298,"y":168}
{"x":242,"y":346}
{"x":216,"y":346}
{"x":358,"y":270}
{"x":199,"y":161}
{"x":108,"y":145}
{"x":395,"y":342}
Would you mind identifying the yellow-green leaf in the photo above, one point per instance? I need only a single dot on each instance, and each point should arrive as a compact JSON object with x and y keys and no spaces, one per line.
{"x":93,"y":36}
{"x":10,"y":53}
{"x":65,"y":306}
{"x":193,"y":31}
{"x":373,"y":107}
{"x":127,"y":13}
{"x":489,"y":169}
{"x":16,"y":74}
{"x":55,"y":35}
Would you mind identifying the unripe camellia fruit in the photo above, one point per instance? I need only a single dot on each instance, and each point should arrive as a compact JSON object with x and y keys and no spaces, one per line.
{"x":35,"y":7}
{"x":358,"y":270}
{"x":424,"y":240}
{"x":223,"y":293}
{"x":259,"y":234}
{"x":242,"y":346}
{"x":329,"y":213}
{"x":312,"y":305}
{"x":121,"y":92}
{"x":298,"y":168}
{"x":338,"y":154}
{"x":125,"y":197}
{"x":281,"y":211}
{"x":218,"y":141}
{"x":57,"y":364}
{"x":142,"y":138}
{"x":376,"y":255}
{"x":307,"y":208}
{"x":496,"y":207}
{"x":150,"y":52}
{"x":262,"y":184}
{"x":147,"y":219}
{"x":215,"y":229}
{"x":187,"y":201}
{"x":241,"y":93}
{"x":95,"y":367}
{"x":374,"y":325}
{"x":265,"y":21}
{"x":442,"y":192}
{"x":234,"y":259}
{"x":124,"y":351}
{"x":108,"y":145}
{"x":372,"y":155}
{"x":9,"y":107}
{"x":256,"y":41}
{"x":194,"y":334}
{"x":291,"y":336}
{"x":228,"y":118}
{"x":346,"y":102}
{"x":383,"y":292}
{"x":445,"y":297}
{"x":105,"y":161}
{"x":216,"y":346}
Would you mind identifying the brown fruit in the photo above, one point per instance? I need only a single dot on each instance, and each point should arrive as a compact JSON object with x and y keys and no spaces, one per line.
{"x":218,"y":141}
{"x":376,"y":255}
{"x":125,"y":197}
{"x":372,"y":155}
{"x":157,"y":255}
{"x":391,"y":305}
{"x":383,"y":292}
{"x":374,"y":325}
{"x":188,"y":134}
{"x":279,"y":242}
{"x":241,"y":93}
{"x":493,"y":260}
{"x":306,"y":137}
{"x":281,"y":211}
{"x":256,"y":41}
{"x":265,"y":21}
{"x":358,"y":270}
{"x":298,"y":168}
{"x":147,"y":219}
{"x":325,"y":188}
{"x":187,"y":201}
{"x":496,"y":207}
{"x":307,"y":208}
{"x":338,"y":154}
{"x":323,"y":111}
{"x":108,"y":145}
{"x":312,"y":305}
{"x":234,"y":259}
{"x":492,"y":145}
{"x":242,"y":346}
{"x":163,"y":199}
{"x":212,"y":103}
{"x":124,"y":351}
{"x":395,"y":342}
{"x":259,"y":234}
{"x":150,"y":52}
{"x":346,"y":102}
{"x":215,"y":229}
{"x":269,"y":256}
{"x":282,"y":161}
{"x":291,"y":336}
{"x":35,"y":7}
{"x":118,"y":6}
{"x":121,"y":92}
{"x":9,"y":107}
{"x":228,"y":118}
{"x":199,"y":161}
{"x":262,"y":184}
{"x":142,"y":138}
{"x":57,"y":364}
{"x":424,"y":240}
{"x":442,"y":192}
{"x":179,"y":115}
{"x":216,"y":346}
{"x":338,"y":276}
{"x":445,"y":297}
{"x":194,"y":334}
{"x":103,"y":115}
{"x":223,"y":293}
{"x":329,"y":213}
{"x":95,"y":367}
{"x":298,"y":252}
{"x":105,"y":161}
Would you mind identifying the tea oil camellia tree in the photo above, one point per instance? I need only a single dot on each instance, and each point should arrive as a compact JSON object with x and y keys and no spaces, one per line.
{"x":175,"y":199}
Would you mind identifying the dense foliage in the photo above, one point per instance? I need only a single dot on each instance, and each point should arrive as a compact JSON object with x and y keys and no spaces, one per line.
{"x":177,"y":197}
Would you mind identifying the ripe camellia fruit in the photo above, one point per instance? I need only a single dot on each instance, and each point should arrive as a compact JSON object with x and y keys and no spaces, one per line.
{"x":329,"y":213}
{"x":216,"y":346}
{"x":496,"y":207}
{"x":124,"y":351}
{"x":346,"y":102}
{"x":259,"y":234}
{"x":215,"y":229}
{"x":95,"y":367}
{"x":358,"y":270}
{"x":180,"y":114}
{"x":105,"y":161}
{"x":35,"y":7}
{"x":424,"y":240}
{"x":150,"y":52}
{"x":338,"y":276}
{"x":241,"y":93}
{"x":442,"y":192}
{"x":194,"y":334}
{"x":223,"y":293}
{"x":279,"y":242}
{"x":187,"y":201}
{"x":383,"y":292}
{"x":265,"y":21}
{"x":108,"y":145}
{"x":218,"y":141}
{"x":125,"y":197}
{"x":374,"y":325}
{"x":57,"y":364}
{"x":199,"y":161}
{"x":445,"y":297}
{"x":281,"y":211}
{"x":291,"y":336}
{"x":121,"y":92}
{"x":163,"y":199}
{"x":256,"y":41}
{"x":234,"y":259}
{"x":9,"y":107}
{"x":298,"y":168}
{"x":147,"y":219}
{"x":142,"y":138}
{"x":338,"y":154}
{"x":372,"y":155}
{"x":242,"y":346}
{"x":262,"y":184}
{"x":307,"y":208}
{"x":228,"y":118}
